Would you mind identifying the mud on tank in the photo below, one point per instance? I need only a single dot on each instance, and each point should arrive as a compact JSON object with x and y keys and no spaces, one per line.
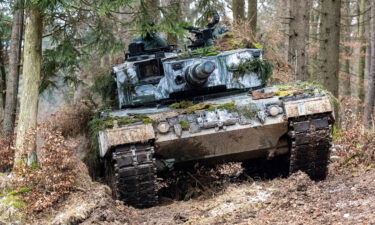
{"x":177,"y":108}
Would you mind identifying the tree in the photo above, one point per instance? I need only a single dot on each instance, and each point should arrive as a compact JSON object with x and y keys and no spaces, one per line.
{"x":370,"y":93}
{"x":298,"y":37}
{"x":14,"y":69}
{"x":238,"y":8}
{"x":347,"y":49}
{"x":329,"y":49}
{"x":31,"y":83}
{"x":362,"y":52}
{"x":252,"y":14}
{"x":4,"y":39}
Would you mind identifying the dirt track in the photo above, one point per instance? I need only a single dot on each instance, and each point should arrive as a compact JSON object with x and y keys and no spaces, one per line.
{"x":341,"y":199}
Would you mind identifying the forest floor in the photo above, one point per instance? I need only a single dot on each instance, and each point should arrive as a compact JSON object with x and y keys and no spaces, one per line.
{"x":343,"y":198}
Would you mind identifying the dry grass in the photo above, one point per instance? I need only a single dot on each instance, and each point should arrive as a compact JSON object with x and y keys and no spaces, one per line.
{"x":72,"y":120}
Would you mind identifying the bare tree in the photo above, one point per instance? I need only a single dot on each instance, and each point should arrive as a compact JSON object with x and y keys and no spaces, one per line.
{"x":31,"y":82}
{"x":368,"y":118}
{"x":14,"y":69}
{"x":298,"y":37}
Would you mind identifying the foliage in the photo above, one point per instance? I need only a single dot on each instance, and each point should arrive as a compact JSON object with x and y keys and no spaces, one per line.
{"x":105,"y":85}
{"x":208,"y":8}
{"x":199,"y":52}
{"x":261,"y":67}
{"x":170,"y":23}
{"x":184,"y":124}
{"x":61,"y":59}
{"x":5,"y":27}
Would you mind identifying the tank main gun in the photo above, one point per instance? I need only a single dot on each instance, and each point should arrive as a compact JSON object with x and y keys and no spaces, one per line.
{"x":198,"y":74}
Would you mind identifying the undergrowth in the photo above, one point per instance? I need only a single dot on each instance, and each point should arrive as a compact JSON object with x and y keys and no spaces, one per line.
{"x":53,"y":177}
{"x":353,"y":144}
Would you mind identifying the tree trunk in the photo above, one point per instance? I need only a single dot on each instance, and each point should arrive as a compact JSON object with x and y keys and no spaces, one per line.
{"x":330,"y":45}
{"x":313,"y":42}
{"x":14,"y":69}
{"x":30,"y":88}
{"x":252,"y":15}
{"x":2,"y":80}
{"x":298,"y":36}
{"x":370,"y":93}
{"x":362,"y":54}
{"x":238,"y":8}
{"x":347,"y":51}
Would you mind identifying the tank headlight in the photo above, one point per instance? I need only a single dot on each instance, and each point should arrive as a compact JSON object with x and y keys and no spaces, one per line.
{"x":274,"y":110}
{"x":163,"y":127}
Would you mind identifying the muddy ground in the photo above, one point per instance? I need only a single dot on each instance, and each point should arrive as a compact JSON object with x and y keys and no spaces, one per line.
{"x":344,"y":198}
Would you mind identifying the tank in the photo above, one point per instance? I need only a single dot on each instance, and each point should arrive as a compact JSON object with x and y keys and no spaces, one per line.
{"x":176,"y":108}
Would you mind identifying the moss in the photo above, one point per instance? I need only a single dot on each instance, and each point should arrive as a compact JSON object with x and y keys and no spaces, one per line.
{"x":257,"y":45}
{"x":259,"y":66}
{"x":230,"y":107}
{"x":13,"y":198}
{"x":284,"y":93}
{"x":181,"y":105}
{"x":185,"y":125}
{"x":200,"y":106}
{"x":200,"y":52}
{"x":298,"y":87}
{"x":144,"y":119}
{"x":124,"y":121}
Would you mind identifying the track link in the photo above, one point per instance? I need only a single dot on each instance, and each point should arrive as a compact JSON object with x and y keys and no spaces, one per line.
{"x":132,"y":175}
{"x":310,"y":143}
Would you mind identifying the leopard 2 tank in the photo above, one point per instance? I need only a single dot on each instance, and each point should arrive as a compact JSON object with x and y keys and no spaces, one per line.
{"x":212,"y":106}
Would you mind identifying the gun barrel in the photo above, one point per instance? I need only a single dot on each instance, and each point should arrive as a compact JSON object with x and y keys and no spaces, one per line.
{"x":198,"y":74}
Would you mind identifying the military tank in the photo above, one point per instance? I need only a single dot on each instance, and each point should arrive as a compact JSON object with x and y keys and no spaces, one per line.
{"x":176,"y":108}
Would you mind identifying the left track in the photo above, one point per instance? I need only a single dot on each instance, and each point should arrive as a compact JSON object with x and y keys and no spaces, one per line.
{"x":131,"y":174}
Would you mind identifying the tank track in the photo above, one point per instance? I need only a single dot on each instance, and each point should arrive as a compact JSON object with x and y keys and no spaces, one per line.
{"x":131,"y":174}
{"x":310,"y":143}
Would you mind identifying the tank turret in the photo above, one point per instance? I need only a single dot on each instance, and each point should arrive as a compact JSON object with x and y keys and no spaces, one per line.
{"x":197,"y":75}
